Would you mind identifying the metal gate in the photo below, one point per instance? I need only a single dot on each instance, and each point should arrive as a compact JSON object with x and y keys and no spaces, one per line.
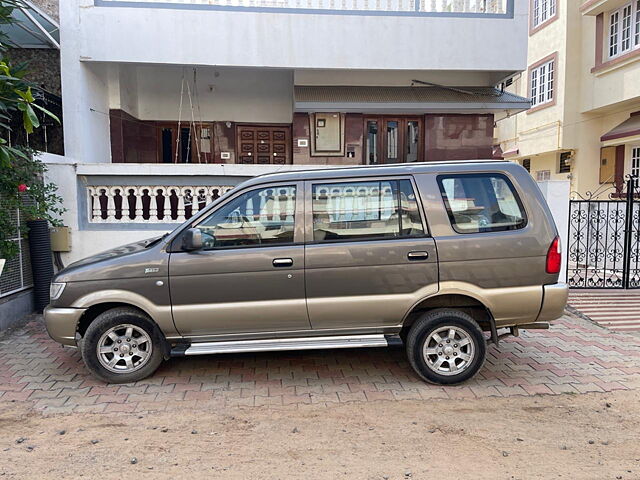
{"x":604,"y":241}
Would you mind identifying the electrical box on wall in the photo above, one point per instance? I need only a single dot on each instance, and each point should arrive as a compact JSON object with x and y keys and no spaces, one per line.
{"x":60,"y":239}
{"x":327,"y":134}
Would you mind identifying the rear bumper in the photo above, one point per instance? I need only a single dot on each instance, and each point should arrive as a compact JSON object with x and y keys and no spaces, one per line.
{"x":61,"y":323}
{"x":554,"y":301}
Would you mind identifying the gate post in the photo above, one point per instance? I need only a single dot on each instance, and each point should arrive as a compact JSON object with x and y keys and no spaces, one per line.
{"x":628,"y":232}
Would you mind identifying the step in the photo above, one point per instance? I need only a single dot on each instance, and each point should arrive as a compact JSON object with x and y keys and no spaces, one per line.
{"x":283,"y":344}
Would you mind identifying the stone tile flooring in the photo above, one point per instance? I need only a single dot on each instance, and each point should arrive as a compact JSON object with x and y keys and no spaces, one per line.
{"x":574,"y":356}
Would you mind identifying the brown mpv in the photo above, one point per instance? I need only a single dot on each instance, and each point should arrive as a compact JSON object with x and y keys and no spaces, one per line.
{"x":426,"y":255}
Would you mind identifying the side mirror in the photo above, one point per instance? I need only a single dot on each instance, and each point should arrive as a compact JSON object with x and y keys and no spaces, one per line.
{"x":192,"y":240}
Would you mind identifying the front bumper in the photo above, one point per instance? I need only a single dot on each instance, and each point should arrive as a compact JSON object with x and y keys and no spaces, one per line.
{"x":61,"y":323}
{"x":554,"y":301}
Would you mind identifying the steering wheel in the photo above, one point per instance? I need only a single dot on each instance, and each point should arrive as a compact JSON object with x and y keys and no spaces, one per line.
{"x":483,"y":221}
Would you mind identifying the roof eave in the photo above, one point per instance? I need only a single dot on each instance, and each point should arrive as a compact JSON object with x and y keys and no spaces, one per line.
{"x":412,"y":108}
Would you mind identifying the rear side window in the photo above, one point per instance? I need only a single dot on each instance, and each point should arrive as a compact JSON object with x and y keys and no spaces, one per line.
{"x":365,"y":210}
{"x":481,"y":203}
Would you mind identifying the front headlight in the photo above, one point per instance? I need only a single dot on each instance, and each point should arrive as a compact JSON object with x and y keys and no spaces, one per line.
{"x":56,"y":290}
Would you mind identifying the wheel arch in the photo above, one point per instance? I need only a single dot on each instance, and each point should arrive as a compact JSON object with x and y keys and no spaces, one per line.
{"x":92,"y":312}
{"x":466,"y":303}
{"x":102,"y":300}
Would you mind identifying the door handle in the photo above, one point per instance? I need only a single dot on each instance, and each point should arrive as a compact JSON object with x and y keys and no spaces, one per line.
{"x":418,"y":255}
{"x":282,"y":262}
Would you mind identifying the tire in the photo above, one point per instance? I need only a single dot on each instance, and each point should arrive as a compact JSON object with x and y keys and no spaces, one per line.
{"x":122,"y":361}
{"x":467,"y":358}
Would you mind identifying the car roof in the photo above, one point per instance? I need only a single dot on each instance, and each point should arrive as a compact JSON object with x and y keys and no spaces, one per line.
{"x":456,"y":166}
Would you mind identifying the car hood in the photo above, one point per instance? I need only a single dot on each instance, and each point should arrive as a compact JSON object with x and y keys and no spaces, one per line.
{"x":136,"y":259}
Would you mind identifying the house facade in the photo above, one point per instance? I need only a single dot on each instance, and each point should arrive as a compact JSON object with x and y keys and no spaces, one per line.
{"x":168,"y":104}
{"x":583,"y":79}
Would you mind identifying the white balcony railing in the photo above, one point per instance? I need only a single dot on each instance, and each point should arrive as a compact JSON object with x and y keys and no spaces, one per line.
{"x":148,"y":203}
{"x":444,"y":7}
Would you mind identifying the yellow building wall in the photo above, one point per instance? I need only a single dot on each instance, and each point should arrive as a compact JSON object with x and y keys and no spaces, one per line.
{"x":588,"y":104}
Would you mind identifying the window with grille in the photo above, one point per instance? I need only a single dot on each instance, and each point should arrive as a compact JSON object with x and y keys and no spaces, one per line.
{"x":542,"y":83}
{"x":635,"y":162}
{"x":564,"y":166}
{"x":543,"y":10}
{"x":16,"y":275}
{"x":624,"y":29}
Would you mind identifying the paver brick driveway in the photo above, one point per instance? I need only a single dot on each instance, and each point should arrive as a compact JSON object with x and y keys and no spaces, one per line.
{"x":575,"y":356}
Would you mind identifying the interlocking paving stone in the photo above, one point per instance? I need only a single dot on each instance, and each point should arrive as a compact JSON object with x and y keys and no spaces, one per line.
{"x":575,"y":356}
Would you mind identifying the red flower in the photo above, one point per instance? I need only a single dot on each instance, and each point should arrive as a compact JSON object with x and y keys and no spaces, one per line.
{"x":22,"y":187}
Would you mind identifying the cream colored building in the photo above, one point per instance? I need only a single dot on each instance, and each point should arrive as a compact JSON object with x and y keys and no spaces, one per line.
{"x":583,"y":79}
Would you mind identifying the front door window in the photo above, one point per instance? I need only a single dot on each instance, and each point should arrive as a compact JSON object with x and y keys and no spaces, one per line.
{"x":392,"y":142}
{"x":412,"y":144}
{"x":265,"y":216}
{"x":371,"y":151}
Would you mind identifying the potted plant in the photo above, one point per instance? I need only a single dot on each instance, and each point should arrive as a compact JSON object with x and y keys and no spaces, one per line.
{"x":27,"y":196}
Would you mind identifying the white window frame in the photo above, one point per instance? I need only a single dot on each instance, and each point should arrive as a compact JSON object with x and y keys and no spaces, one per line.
{"x":542,"y":11}
{"x":623,"y":29}
{"x":541,"y":83}
{"x":635,"y":161}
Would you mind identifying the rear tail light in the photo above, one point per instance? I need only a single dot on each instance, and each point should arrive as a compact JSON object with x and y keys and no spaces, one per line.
{"x":554,"y":256}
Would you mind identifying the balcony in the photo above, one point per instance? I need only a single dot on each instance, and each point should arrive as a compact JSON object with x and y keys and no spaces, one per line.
{"x":483,"y":8}
{"x":596,"y":7}
{"x":435,"y":35}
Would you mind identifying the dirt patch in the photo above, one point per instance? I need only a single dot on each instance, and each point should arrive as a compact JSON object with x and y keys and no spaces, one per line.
{"x":594,"y":436}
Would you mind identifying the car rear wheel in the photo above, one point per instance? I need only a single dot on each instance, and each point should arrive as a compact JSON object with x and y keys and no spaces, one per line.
{"x":122,"y":345}
{"x":446,"y":347}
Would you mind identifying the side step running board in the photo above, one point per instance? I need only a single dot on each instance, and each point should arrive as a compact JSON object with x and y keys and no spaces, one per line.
{"x":281,"y":344}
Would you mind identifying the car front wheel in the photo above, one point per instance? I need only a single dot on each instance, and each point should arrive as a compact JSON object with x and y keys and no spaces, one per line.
{"x":122,"y":345}
{"x":446,"y":347}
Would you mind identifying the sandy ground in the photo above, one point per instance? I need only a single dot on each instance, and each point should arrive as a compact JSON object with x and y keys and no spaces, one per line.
{"x":593,"y":436}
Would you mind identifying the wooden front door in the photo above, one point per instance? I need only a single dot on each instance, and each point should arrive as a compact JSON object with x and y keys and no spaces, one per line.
{"x":263,"y":144}
{"x":393,"y":139}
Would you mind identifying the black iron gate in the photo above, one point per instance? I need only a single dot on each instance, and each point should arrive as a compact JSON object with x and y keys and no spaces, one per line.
{"x":604,"y":240}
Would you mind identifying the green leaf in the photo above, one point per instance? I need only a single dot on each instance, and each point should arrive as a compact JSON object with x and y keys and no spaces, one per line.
{"x":26,"y":96}
{"x":47,"y":112}
{"x":29,"y":117}
{"x":4,"y":157}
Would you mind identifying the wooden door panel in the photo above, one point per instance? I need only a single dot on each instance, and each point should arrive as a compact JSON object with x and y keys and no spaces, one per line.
{"x":264,"y":144}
